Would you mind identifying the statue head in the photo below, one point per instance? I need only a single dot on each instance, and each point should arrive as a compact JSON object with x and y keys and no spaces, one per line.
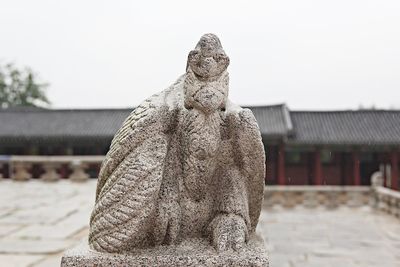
{"x":206,"y":82}
{"x":208,"y":59}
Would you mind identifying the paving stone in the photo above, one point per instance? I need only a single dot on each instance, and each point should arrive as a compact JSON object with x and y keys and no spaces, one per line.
{"x":41,"y":219}
{"x":46,"y":214}
{"x":48,"y":231}
{"x":280,"y":259}
{"x":15,"y":260}
{"x":326,"y":262}
{"x":51,"y":261}
{"x":68,"y":226}
{"x":7,"y":229}
{"x":342,"y":237}
{"x":33,"y":246}
{"x":4,"y":211}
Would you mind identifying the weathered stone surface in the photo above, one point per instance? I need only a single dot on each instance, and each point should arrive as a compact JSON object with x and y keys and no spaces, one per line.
{"x":196,"y":252}
{"x":187,"y":163}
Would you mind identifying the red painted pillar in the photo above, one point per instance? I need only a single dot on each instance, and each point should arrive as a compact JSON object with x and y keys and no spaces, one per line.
{"x":385,"y":175}
{"x":317,"y":168}
{"x":356,"y":169}
{"x":394,"y":159}
{"x":281,"y":165}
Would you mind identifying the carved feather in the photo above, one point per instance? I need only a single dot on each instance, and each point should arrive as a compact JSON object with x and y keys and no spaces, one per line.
{"x":250,"y":157}
{"x":128,"y":137}
{"x":130,"y":178}
{"x":128,"y":198}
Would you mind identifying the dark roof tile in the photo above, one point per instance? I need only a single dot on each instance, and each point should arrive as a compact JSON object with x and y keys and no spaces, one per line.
{"x":378,"y":127}
{"x":22,"y":124}
{"x":273,"y":120}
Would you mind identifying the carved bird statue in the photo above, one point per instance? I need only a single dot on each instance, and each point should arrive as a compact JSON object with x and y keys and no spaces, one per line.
{"x":187,"y":163}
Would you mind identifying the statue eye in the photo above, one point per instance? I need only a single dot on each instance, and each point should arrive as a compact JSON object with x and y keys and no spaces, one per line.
{"x":193,"y":54}
{"x":219,"y":56}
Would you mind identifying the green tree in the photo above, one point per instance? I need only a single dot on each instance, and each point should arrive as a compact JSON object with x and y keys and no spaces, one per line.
{"x":19,"y":87}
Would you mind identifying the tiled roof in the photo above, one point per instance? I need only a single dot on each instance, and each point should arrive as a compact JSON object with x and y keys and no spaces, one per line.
{"x":378,"y":127}
{"x":274,"y":121}
{"x":62,"y":125}
{"x":362,"y":127}
{"x":34,"y":124}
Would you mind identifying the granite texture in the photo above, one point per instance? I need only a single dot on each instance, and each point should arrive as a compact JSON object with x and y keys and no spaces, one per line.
{"x":195,"y":252}
{"x":186,"y":164}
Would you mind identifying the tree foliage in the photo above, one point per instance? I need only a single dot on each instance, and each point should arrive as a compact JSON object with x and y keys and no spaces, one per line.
{"x":19,"y":87}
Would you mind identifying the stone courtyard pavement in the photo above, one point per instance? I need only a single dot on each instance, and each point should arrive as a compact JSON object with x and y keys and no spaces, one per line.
{"x":344,"y":237}
{"x":39,"y":220}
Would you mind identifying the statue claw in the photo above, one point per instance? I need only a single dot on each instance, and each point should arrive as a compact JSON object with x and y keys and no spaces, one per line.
{"x":228,"y":232}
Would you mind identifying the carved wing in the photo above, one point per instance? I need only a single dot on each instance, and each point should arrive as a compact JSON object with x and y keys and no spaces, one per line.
{"x":251,"y":158}
{"x":130,"y":179}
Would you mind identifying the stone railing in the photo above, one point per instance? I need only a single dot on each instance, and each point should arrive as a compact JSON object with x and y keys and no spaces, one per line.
{"x":378,"y":197}
{"x":314,"y":196}
{"x":20,"y":167}
{"x":387,"y":200}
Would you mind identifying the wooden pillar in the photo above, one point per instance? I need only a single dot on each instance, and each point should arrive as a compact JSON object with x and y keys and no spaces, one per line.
{"x":317,"y":168}
{"x":384,"y":174}
{"x":356,"y":169}
{"x":342,"y":168}
{"x":394,"y":161}
{"x":385,"y":169}
{"x":281,"y":165}
{"x":310,"y":168}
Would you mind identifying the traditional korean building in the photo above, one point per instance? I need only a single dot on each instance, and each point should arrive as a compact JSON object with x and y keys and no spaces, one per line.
{"x":303,"y":147}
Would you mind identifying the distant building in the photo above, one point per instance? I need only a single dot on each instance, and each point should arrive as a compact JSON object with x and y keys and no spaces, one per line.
{"x":303,"y":147}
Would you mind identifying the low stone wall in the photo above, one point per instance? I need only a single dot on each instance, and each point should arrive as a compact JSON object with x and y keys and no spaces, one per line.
{"x":387,"y":200}
{"x":382,"y":199}
{"x":20,"y":167}
{"x":314,"y":196}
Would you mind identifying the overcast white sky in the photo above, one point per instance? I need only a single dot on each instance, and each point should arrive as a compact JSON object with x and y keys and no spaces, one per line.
{"x":311,"y":54}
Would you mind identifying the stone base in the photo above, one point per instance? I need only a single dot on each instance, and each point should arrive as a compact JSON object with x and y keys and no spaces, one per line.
{"x":189,"y":253}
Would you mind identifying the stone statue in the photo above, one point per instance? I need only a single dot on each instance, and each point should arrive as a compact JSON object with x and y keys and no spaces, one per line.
{"x":186,"y":163}
{"x":186,"y":166}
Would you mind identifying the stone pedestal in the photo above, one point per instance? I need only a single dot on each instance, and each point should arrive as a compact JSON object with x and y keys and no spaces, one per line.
{"x":197,"y":252}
